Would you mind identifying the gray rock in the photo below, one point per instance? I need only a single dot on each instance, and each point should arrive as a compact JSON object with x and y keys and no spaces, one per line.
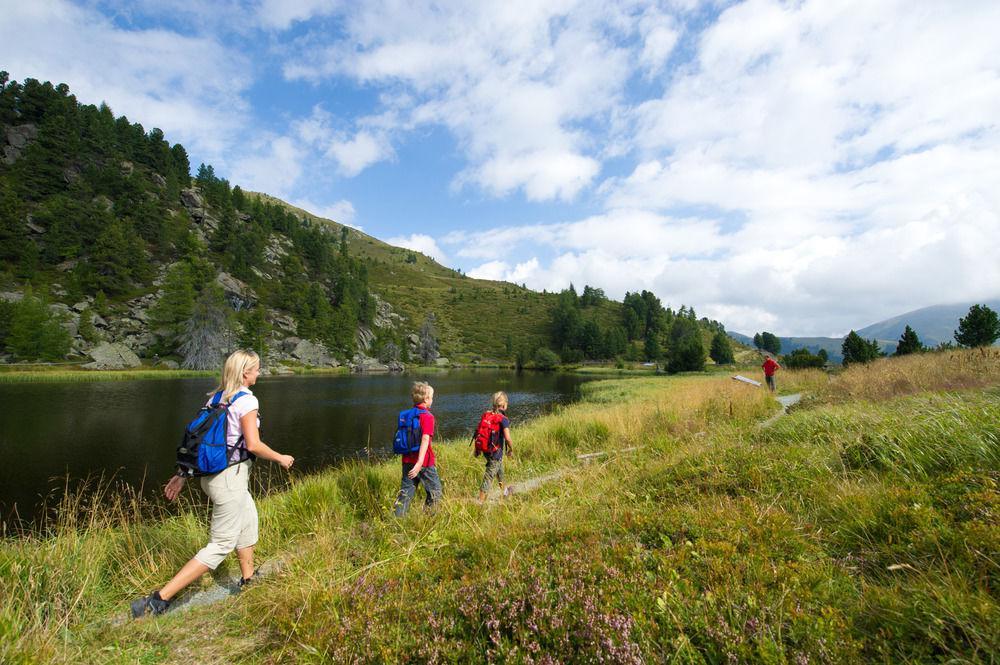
{"x":11,"y":296}
{"x":159,"y":180}
{"x":83,"y":304}
{"x":169,"y":364}
{"x":313,"y":353}
{"x":191,"y":198}
{"x":127,"y":168}
{"x":281,"y":370}
{"x":413,"y":340}
{"x":396,"y":366}
{"x":239,"y":295}
{"x":16,"y":139}
{"x":276,"y":248}
{"x":34,"y":228}
{"x":112,"y":356}
{"x":442,"y":362}
{"x":104,"y":201}
{"x":284,"y":321}
{"x":99,"y":321}
{"x":363,"y":364}
{"x":289,"y":343}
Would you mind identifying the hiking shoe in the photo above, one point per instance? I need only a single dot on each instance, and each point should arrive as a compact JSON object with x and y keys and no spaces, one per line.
{"x":151,"y":604}
{"x":248,"y":581}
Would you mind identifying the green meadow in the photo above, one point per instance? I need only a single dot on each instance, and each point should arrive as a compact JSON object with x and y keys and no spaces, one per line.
{"x":861,"y":527}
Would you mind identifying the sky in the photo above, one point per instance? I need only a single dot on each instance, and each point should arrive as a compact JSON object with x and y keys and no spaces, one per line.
{"x":800,"y":167}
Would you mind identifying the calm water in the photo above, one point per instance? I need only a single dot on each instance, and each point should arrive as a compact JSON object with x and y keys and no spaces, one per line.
{"x":49,"y":432}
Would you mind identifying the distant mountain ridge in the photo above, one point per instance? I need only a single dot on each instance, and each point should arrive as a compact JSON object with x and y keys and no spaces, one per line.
{"x":934,"y":324}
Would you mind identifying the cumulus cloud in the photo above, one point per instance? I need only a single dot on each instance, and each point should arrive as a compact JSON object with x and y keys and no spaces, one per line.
{"x":421,"y":243}
{"x":518,"y":84}
{"x":191,"y":87}
{"x":342,"y":211}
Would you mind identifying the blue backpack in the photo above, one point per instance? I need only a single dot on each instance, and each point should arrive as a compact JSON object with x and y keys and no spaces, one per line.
{"x":408,"y":433}
{"x":203,"y":451}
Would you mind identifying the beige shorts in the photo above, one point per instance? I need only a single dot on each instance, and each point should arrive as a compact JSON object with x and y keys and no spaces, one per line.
{"x":234,"y":515}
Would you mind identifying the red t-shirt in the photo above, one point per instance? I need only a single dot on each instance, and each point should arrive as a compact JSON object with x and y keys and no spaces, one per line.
{"x":770,"y":366}
{"x":426,"y":427}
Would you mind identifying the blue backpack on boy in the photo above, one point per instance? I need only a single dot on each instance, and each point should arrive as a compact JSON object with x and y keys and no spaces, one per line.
{"x":203,"y":451}
{"x":408,"y":433}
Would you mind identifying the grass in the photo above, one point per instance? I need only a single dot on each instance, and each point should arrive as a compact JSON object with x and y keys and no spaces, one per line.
{"x":64,"y":375}
{"x":855,"y":529}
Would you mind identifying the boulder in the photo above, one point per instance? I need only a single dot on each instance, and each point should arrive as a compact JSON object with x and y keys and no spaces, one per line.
{"x":362,"y":364}
{"x":34,"y":228}
{"x":238,"y":294}
{"x":396,"y":366}
{"x":159,"y":180}
{"x":11,"y":296}
{"x":314,"y":354}
{"x":384,"y":316}
{"x":289,"y":343}
{"x":127,"y":168}
{"x":442,"y":362}
{"x":15,"y":140}
{"x":284,"y":321}
{"x":104,"y":202}
{"x":191,"y":198}
{"x":413,"y":340}
{"x":83,"y":304}
{"x":168,"y":364}
{"x":282,"y":370}
{"x":111,"y":356}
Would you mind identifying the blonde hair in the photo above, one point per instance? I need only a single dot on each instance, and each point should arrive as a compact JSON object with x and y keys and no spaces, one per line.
{"x":238,"y":363}
{"x":420,"y":391}
{"x":499,"y":401}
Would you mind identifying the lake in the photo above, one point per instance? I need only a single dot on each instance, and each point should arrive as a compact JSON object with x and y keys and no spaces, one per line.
{"x":130,"y":429}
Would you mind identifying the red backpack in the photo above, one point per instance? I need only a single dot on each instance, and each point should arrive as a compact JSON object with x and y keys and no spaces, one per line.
{"x":488,"y":437}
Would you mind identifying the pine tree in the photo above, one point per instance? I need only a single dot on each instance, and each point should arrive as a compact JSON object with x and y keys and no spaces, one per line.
{"x":908,"y":343}
{"x":721,"y":351}
{"x":858,"y":350}
{"x":176,"y":304}
{"x":35,"y":332}
{"x":86,"y":327}
{"x":980,"y":327}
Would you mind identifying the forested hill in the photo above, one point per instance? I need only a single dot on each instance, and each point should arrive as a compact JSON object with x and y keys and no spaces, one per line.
{"x":105,"y":237}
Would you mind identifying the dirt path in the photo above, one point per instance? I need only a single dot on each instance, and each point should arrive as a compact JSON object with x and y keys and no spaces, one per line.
{"x":786,"y":402}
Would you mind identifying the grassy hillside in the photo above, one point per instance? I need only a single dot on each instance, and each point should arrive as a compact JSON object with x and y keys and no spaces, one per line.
{"x":474,"y":316}
{"x":861,"y":527}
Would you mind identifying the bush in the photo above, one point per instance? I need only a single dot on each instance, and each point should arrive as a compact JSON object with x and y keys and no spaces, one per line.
{"x":546,"y":359}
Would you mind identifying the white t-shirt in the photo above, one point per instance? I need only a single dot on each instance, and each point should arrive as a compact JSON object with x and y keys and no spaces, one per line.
{"x":244,"y":405}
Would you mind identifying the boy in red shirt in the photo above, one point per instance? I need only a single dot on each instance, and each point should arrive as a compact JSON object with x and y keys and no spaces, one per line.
{"x":419,"y":467}
{"x":770,"y":366}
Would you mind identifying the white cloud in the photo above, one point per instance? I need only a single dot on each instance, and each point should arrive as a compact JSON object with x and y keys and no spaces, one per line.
{"x":421,"y":243}
{"x":520,"y":85}
{"x":281,"y":14}
{"x":342,"y":211}
{"x":358,"y":153}
{"x":190,"y":87}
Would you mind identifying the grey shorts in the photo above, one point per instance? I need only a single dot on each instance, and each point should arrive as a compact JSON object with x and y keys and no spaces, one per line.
{"x":494,"y":469}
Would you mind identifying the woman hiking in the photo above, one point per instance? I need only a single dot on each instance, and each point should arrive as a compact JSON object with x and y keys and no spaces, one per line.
{"x":234,"y":515}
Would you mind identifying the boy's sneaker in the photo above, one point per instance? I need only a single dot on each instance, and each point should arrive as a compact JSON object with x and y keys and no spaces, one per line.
{"x":151,"y":604}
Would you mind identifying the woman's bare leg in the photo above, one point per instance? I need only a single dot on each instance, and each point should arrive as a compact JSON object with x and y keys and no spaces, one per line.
{"x":245,"y":556}
{"x":191,"y":571}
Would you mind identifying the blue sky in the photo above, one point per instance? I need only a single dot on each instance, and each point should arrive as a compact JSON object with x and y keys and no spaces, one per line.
{"x":801,"y":167}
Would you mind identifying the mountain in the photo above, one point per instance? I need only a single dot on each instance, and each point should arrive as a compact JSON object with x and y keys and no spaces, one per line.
{"x":104,"y":233}
{"x":933,"y":325}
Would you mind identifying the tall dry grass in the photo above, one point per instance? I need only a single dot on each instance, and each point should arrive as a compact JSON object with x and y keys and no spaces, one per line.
{"x":907,"y":375}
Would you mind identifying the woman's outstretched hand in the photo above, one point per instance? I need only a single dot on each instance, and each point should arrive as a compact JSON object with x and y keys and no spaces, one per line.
{"x":174,"y":487}
{"x":286,"y":461}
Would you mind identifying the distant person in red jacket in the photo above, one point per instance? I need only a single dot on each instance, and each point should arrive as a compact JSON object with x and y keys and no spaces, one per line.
{"x":770,"y":366}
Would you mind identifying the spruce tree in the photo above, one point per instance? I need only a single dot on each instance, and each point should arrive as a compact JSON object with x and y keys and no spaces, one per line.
{"x":858,"y":350}
{"x":722,"y":350}
{"x":908,"y":343}
{"x":980,"y":327}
